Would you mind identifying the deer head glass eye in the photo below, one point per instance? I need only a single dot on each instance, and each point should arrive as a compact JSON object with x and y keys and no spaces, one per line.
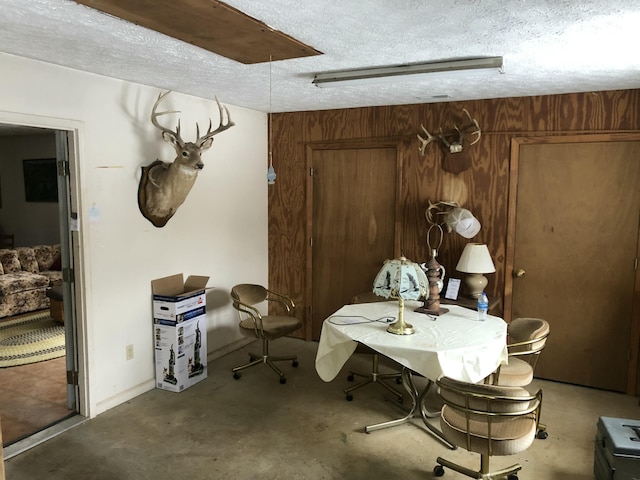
{"x":185,"y":154}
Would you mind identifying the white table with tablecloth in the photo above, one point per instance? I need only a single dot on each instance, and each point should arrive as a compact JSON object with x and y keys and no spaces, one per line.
{"x":455,"y":344}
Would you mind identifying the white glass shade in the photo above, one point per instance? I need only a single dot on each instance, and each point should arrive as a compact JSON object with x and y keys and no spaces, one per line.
{"x":401,"y":278}
{"x":462,"y":221}
{"x":475,"y":258}
{"x":404,"y":280}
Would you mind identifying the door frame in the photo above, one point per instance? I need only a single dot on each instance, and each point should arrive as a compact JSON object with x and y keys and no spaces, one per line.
{"x":516,"y":142}
{"x":75,"y":311}
{"x":310,"y":148}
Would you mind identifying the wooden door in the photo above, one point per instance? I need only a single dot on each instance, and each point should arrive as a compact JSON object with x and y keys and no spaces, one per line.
{"x":576,"y":240}
{"x":353,"y":224}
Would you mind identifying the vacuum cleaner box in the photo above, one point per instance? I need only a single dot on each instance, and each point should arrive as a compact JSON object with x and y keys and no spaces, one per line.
{"x":180,"y":331}
{"x":617,"y":449}
{"x":181,"y":350}
{"x":172,"y":296}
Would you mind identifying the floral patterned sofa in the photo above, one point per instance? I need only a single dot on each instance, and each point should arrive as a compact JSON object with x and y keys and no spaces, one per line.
{"x":26,"y":273}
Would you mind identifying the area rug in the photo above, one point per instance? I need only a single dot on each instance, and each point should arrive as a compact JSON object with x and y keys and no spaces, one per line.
{"x":30,"y":339}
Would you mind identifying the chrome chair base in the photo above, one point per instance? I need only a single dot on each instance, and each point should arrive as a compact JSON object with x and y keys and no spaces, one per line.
{"x":376,"y":378}
{"x":417,"y":409}
{"x":265,"y":358}
{"x":508,"y":472}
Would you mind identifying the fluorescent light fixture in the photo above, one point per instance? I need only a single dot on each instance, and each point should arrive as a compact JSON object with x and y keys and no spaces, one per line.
{"x":399,"y":73}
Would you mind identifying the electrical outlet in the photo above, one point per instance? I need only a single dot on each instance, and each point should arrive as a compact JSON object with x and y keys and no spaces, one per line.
{"x":129,"y":352}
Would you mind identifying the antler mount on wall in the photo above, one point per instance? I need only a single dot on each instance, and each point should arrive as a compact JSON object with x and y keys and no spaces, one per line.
{"x":453,"y":143}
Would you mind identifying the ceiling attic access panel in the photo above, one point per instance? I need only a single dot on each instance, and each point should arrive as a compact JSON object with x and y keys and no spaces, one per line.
{"x":214,"y":26}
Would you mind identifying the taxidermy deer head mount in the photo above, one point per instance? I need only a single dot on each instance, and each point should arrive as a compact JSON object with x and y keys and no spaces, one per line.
{"x":164,"y":186}
{"x":453,"y":143}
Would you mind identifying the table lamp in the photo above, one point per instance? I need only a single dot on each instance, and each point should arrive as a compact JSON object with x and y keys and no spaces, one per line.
{"x":474,"y":261}
{"x":402,"y":279}
{"x":435,"y":276}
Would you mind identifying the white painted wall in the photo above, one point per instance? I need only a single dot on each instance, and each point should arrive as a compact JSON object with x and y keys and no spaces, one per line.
{"x":220,"y":231}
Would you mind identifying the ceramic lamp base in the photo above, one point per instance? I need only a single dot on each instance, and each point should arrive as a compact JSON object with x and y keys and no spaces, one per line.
{"x":474,"y":284}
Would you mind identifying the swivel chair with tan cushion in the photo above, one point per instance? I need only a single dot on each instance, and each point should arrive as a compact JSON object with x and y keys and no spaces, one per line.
{"x":264,"y":327}
{"x":487,"y":419}
{"x":374,"y":376}
{"x":527,"y":338}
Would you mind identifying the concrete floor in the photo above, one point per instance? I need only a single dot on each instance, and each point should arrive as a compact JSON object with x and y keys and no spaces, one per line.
{"x":256,"y":428}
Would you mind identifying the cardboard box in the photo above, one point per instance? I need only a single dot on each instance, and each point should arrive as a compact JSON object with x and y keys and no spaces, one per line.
{"x":181,"y":351}
{"x":180,"y":331}
{"x":173,"y":297}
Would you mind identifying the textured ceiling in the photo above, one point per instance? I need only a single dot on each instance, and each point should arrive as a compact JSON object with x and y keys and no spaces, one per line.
{"x":549,"y":47}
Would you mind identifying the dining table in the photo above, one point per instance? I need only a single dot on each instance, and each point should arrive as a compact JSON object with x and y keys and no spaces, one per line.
{"x":454,"y":344}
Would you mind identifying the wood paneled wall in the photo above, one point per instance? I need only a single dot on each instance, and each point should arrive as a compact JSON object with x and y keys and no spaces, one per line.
{"x":483,"y":189}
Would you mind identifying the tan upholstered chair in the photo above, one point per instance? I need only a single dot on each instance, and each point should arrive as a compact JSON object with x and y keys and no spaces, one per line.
{"x":527,"y":338}
{"x":264,"y":327}
{"x":374,"y":376}
{"x":487,"y":419}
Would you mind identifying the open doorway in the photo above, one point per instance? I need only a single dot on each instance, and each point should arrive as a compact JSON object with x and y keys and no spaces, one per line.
{"x":38,"y":380}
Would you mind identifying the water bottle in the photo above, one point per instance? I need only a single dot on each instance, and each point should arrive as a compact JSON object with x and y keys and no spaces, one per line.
{"x":483,"y":306}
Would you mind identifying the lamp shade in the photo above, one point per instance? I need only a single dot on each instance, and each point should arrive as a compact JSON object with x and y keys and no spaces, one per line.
{"x":475,"y":258}
{"x":400,"y":278}
{"x":404,"y":280}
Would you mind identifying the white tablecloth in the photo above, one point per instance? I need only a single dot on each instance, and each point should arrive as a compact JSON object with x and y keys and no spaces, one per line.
{"x":455,"y":344}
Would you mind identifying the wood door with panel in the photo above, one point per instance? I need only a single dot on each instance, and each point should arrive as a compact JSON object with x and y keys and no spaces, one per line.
{"x":353,"y":223}
{"x":577,"y":211}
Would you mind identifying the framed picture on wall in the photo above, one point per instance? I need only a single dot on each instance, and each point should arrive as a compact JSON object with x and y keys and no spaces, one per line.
{"x":40,"y":180}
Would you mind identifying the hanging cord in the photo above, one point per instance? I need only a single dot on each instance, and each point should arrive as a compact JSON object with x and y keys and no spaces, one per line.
{"x":270,"y":114}
{"x":358,"y":319}
{"x":271,"y":173}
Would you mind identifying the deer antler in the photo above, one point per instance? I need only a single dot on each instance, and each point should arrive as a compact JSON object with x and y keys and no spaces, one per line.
{"x":155,"y":115}
{"x":472,"y":123}
{"x":425,"y":141}
{"x":221,"y":127}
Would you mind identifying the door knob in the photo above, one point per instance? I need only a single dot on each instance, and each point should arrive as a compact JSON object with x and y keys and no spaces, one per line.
{"x":519,"y":273}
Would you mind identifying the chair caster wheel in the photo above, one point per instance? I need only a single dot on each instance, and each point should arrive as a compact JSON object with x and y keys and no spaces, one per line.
{"x":438,"y":470}
{"x":349,"y":397}
{"x":295,"y":363}
{"x":236,"y":375}
{"x":350,"y":377}
{"x":283,"y":380}
{"x":542,"y":434}
{"x":512,"y":476}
